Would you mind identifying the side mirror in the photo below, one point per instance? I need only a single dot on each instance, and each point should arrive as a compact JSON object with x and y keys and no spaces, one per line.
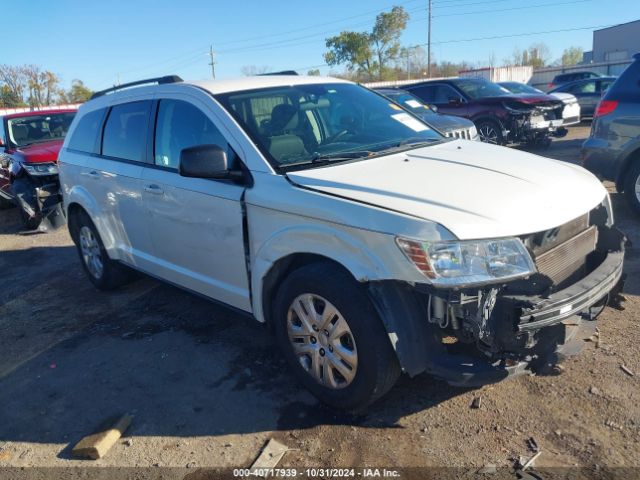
{"x":204,"y":161}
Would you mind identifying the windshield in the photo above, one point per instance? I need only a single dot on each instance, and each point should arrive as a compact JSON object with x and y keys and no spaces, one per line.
{"x":31,"y":129}
{"x":515,"y":87}
{"x":302,"y":125}
{"x":477,"y":88}
{"x":410,"y":102}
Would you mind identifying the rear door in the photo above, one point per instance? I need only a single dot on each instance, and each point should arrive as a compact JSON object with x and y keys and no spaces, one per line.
{"x":115,"y":179}
{"x":196,"y":225}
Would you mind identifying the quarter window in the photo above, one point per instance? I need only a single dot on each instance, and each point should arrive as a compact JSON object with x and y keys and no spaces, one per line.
{"x":181,"y":125}
{"x":85,"y":135}
{"x":125,"y":133}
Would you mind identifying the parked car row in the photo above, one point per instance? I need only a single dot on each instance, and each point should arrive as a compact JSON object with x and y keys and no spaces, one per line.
{"x":500,"y":116}
{"x":371,"y":243}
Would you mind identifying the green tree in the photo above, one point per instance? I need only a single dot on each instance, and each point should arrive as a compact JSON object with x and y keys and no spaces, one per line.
{"x":571,"y":56}
{"x":352,"y":48}
{"x":78,"y":93}
{"x":369,"y":53}
{"x":314,"y":72}
{"x":13,"y":85}
{"x":385,"y":37}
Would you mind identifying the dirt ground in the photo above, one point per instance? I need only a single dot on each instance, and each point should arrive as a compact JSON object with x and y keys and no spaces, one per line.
{"x":207,"y":388}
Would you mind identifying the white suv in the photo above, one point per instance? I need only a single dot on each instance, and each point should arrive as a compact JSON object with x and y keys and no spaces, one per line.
{"x":369,"y":242}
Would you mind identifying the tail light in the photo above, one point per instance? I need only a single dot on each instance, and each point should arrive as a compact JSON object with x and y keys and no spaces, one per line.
{"x":605,"y":107}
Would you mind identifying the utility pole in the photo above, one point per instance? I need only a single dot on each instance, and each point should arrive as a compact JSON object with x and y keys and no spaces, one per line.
{"x":429,"y":45}
{"x":408,"y":64}
{"x":212,"y":62}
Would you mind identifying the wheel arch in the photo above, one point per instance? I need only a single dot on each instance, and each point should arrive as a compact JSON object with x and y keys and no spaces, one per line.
{"x":79,"y":199}
{"x":282,"y":253}
{"x":628,"y":161}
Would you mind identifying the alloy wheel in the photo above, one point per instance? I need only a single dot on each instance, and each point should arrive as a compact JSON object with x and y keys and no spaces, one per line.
{"x":637,"y":188}
{"x":488,"y":134}
{"x":91,"y":254}
{"x":322,"y":341}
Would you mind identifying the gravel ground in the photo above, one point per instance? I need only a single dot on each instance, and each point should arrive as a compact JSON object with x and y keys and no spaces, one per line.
{"x":207,"y":388}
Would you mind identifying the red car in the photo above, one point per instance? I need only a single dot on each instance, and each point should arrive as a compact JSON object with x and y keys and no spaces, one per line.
{"x":29,"y":146}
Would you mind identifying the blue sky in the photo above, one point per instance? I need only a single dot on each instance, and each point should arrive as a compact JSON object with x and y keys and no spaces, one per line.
{"x":99,"y":42}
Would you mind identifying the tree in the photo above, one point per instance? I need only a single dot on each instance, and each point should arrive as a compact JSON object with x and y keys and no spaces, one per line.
{"x":352,"y":48}
{"x":251,"y":70}
{"x":571,"y":56}
{"x":385,"y":36}
{"x":42,"y":85}
{"x":369,"y":53}
{"x":13,"y":85}
{"x":537,"y":55}
{"x":314,"y":72}
{"x":78,"y":93}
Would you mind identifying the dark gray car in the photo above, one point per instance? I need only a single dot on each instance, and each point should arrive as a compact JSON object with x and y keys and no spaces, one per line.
{"x":588,"y":92}
{"x":613,"y":147}
{"x":448,"y":125}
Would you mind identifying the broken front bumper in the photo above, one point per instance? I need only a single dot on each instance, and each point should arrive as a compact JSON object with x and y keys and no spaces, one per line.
{"x":525,"y":333}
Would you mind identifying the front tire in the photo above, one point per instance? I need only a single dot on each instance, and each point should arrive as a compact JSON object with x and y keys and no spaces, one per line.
{"x":332,"y":337}
{"x":632,"y":188}
{"x":104,"y":273}
{"x":490,"y":132}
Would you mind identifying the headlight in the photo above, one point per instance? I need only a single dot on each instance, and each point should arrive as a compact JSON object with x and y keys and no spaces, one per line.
{"x":473,"y":131}
{"x":469,"y":262}
{"x":40,"y":168}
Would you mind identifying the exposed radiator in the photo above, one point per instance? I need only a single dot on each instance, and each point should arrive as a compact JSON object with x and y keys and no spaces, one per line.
{"x":563,"y":260}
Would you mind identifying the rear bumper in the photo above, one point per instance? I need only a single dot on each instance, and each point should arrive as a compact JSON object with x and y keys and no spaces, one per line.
{"x":599,"y":158}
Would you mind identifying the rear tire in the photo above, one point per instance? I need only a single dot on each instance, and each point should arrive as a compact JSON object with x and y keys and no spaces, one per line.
{"x":490,"y":131}
{"x":104,"y":273}
{"x":632,"y":187}
{"x":347,"y":337}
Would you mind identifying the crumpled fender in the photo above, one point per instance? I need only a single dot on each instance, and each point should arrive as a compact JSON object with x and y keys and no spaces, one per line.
{"x":333,"y":243}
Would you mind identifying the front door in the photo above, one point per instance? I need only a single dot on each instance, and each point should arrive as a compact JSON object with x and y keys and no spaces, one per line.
{"x":196,"y":225}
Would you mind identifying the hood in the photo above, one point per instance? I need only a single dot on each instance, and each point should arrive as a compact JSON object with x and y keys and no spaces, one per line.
{"x":447,"y":123}
{"x":532,"y":99}
{"x":41,"y":152}
{"x":565,"y":97}
{"x":473,"y":189}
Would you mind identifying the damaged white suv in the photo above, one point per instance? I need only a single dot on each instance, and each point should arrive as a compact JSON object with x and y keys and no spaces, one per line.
{"x":370,"y":243}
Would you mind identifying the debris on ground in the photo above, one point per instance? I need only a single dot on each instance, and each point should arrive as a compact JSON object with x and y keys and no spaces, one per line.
{"x":532,"y":445}
{"x":271,"y":454}
{"x":626,"y":370}
{"x":613,"y":425}
{"x":594,"y":390}
{"x":96,"y":445}
{"x":530,"y":462}
{"x":477,"y":402}
{"x":128,"y":442}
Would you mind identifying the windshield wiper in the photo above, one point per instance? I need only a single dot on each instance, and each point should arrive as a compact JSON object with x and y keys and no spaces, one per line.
{"x":409,"y":145}
{"x":319,"y":157}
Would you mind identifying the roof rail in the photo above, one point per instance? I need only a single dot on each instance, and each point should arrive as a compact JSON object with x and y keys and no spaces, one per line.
{"x":158,"y":80}
{"x":283,"y":72}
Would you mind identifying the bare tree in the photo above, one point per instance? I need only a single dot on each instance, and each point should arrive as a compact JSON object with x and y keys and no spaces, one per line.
{"x":42,"y":85}
{"x":13,"y":85}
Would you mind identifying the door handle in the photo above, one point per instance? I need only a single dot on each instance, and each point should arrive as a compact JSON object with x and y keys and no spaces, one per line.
{"x":154,"y":189}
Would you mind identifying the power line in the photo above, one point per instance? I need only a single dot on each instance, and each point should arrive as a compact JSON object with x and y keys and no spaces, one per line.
{"x":514,"y":8}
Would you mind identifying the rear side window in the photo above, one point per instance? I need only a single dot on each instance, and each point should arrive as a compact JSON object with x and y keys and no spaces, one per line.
{"x":426,"y":93}
{"x":627,"y":87}
{"x":180,"y":125}
{"x":125,"y":132}
{"x":85,"y":136}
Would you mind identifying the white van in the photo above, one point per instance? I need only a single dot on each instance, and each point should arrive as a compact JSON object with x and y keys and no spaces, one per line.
{"x":372,"y":244}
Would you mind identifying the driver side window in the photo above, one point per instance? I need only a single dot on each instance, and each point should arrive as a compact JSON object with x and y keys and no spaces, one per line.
{"x":180,"y":125}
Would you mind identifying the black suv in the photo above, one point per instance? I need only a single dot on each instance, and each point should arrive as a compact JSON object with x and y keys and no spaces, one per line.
{"x":613,"y":147}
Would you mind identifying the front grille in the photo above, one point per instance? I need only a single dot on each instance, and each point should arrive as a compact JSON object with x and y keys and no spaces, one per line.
{"x":561,"y":261}
{"x":464,"y":134}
